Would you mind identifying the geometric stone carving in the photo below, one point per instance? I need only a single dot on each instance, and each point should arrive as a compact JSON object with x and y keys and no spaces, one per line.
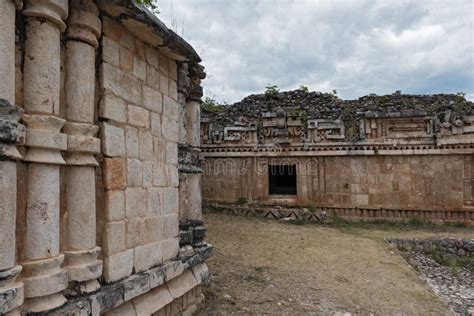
{"x":320,"y":130}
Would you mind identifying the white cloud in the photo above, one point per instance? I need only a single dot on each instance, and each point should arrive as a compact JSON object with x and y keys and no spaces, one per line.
{"x":354,"y":46}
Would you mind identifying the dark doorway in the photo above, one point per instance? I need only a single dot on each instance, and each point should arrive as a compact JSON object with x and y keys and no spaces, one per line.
{"x":282,"y":179}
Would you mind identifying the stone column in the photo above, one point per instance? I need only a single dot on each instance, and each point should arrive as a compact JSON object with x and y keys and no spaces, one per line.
{"x":84,"y":28}
{"x":42,"y":274}
{"x":11,"y":292}
{"x":193,"y":123}
{"x":192,"y":231}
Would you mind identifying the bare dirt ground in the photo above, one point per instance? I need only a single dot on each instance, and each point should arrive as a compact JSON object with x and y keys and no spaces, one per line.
{"x":265,"y":267}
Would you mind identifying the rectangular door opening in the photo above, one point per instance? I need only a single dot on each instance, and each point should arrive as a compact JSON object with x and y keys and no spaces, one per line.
{"x":282,"y":179}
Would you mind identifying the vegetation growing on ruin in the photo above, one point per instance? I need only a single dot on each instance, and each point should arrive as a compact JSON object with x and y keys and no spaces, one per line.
{"x":271,"y":91}
{"x":210,"y":105}
{"x":453,"y":262}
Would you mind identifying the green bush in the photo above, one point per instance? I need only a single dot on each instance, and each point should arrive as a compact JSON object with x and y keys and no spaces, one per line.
{"x":271,"y":91}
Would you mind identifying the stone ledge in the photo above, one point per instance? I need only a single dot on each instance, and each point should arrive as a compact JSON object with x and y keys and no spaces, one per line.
{"x":321,"y":213}
{"x":113,"y":295}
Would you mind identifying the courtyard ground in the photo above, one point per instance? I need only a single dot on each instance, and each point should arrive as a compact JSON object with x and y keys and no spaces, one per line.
{"x":267,"y":267}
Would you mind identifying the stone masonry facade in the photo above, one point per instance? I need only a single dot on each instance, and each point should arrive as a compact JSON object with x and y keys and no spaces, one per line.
{"x":100,"y":167}
{"x":395,"y":156}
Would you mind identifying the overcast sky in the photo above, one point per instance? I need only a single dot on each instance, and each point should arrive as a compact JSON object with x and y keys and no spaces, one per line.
{"x":355,"y":47}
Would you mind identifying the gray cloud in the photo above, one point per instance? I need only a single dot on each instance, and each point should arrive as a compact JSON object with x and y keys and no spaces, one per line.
{"x":354,"y":46}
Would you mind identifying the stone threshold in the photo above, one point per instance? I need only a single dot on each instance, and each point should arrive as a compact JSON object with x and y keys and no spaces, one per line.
{"x":113,"y":295}
{"x":321,"y":213}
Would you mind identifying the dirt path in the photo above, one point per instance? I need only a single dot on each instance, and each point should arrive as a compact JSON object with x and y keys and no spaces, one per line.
{"x":265,"y":267}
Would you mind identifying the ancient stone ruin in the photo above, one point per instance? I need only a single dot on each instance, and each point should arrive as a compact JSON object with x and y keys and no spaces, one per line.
{"x":100,"y":172}
{"x":394,"y":156}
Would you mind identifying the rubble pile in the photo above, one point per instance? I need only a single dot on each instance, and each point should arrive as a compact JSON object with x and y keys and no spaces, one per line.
{"x":329,"y":106}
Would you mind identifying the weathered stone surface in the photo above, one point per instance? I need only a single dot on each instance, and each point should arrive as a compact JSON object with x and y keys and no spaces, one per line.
{"x":114,"y":205}
{"x":170,"y":108}
{"x":115,"y":173}
{"x":147,"y":256}
{"x":169,"y":129}
{"x":139,"y":68}
{"x":171,"y":226}
{"x":134,"y":172}
{"x":118,"y":266}
{"x":8,"y":178}
{"x":170,"y":248}
{"x":113,"y":140}
{"x":146,"y":145}
{"x":136,"y":285}
{"x":152,"y":77}
{"x":182,"y":284}
{"x":131,"y":141}
{"x":114,"y":237}
{"x":152,"y":100}
{"x":155,"y":124}
{"x":113,"y":108}
{"x":121,"y":83}
{"x":136,"y":202}
{"x":138,"y":116}
{"x":126,"y":59}
{"x":136,"y":232}
{"x":155,"y":202}
{"x":110,"y":51}
{"x":170,"y":201}
{"x":171,"y":153}
{"x":125,"y":309}
{"x":152,"y":301}
{"x":153,"y":229}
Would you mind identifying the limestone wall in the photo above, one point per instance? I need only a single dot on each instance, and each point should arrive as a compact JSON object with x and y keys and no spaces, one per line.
{"x":90,"y":116}
{"x":139,"y":135}
{"x":395,"y":156}
{"x":400,"y":183}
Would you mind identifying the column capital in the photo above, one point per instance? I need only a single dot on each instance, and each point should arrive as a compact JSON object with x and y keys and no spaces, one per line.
{"x":84,"y":26}
{"x":55,"y":11}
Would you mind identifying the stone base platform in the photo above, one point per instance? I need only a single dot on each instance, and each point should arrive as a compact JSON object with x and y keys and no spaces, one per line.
{"x":172,"y":288}
{"x":321,"y":213}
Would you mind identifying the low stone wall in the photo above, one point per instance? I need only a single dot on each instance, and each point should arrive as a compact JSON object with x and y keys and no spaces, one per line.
{"x":446,"y":246}
{"x":318,"y":214}
{"x":271,"y":212}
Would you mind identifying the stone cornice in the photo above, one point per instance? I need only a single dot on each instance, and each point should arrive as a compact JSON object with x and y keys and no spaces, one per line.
{"x":339,"y":150}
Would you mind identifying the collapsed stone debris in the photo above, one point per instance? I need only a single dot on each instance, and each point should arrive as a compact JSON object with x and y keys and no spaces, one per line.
{"x":453,"y":284}
{"x":99,"y":172}
{"x":395,"y":156}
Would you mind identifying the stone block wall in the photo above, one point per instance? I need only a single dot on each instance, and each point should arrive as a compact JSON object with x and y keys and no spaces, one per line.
{"x":138,"y":111}
{"x":395,"y":156}
{"x":387,"y":186}
{"x":90,"y":117}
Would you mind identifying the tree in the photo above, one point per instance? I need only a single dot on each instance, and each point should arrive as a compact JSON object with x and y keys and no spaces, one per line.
{"x":148,"y":3}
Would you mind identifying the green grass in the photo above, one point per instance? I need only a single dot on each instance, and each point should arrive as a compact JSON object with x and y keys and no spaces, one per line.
{"x":455,"y":263}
